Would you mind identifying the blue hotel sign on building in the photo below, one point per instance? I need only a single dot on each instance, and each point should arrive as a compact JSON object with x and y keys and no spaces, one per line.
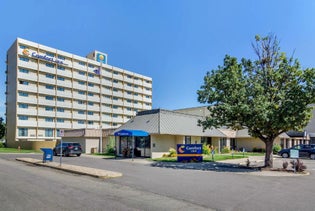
{"x":189,"y":152}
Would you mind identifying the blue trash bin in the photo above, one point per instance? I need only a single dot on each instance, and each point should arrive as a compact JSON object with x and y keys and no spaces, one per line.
{"x":48,"y":154}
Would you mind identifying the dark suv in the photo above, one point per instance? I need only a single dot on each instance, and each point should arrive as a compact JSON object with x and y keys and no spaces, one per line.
{"x":68,"y":148}
{"x":305,"y":150}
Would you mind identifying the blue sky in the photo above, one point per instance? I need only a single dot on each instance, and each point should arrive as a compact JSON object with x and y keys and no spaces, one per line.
{"x":173,"y":41}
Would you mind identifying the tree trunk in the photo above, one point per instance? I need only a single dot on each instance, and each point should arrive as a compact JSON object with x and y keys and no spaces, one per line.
{"x":269,"y":154}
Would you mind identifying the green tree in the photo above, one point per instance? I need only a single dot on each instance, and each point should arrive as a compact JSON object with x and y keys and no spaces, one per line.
{"x":268,"y":96}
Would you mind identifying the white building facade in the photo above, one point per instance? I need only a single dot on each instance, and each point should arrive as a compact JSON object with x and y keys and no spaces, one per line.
{"x":48,"y":90}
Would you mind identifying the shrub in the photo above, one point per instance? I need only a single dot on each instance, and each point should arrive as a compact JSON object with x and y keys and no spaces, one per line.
{"x":110,"y":150}
{"x":1,"y":145}
{"x":299,"y":165}
{"x":276,"y":148}
{"x":225,"y":150}
{"x":206,"y":149}
{"x":285,"y":164}
{"x":172,"y":152}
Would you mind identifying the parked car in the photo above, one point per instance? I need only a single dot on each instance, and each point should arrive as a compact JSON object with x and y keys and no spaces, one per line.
{"x":305,"y":150}
{"x":68,"y":148}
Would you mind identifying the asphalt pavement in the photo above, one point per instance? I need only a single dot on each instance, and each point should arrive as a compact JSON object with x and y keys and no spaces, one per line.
{"x":233,"y":165}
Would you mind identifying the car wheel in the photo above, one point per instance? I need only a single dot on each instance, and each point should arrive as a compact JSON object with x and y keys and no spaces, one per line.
{"x":312,"y":156}
{"x":285,"y":155}
{"x":78,"y":155}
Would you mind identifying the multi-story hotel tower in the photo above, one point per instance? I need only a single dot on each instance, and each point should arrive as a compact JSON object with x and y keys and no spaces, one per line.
{"x":48,"y":90}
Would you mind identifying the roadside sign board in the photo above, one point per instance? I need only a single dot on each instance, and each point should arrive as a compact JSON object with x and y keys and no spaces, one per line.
{"x":189,"y":152}
{"x":294,"y":153}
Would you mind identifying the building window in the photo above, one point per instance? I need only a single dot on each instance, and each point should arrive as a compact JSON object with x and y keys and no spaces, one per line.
{"x":49,"y":132}
{"x":50,"y":65}
{"x":49,"y":119}
{"x":23,"y":94}
{"x":60,"y":67}
{"x":60,"y":120}
{"x":115,"y":115}
{"x":48,"y":108}
{"x":187,"y":139}
{"x":81,"y":73}
{"x":24,"y":59}
{"x":90,"y":103}
{"x":23,"y":47}
{"x":91,"y":84}
{"x":80,"y":102}
{"x":60,"y":78}
{"x":81,"y":63}
{"x":81,"y":92}
{"x":50,"y":54}
{"x":49,"y":98}
{"x":60,"y":109}
{"x":24,"y":82}
{"x":23,"y":117}
{"x":61,"y":57}
{"x":21,"y":70}
{"x":49,"y":87}
{"x":222,"y":143}
{"x":90,"y":94}
{"x":60,"y":89}
{"x":23,"y":132}
{"x":50,"y":76}
{"x":81,"y":112}
{"x":91,"y":75}
{"x":91,"y":66}
{"x":23,"y":105}
{"x":60,"y":99}
{"x":90,"y":113}
{"x":80,"y":122}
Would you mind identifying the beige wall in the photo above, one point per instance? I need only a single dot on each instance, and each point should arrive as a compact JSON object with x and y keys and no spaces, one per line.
{"x":11,"y":96}
{"x":34,"y":145}
{"x":249,"y":143}
{"x":162,"y":143}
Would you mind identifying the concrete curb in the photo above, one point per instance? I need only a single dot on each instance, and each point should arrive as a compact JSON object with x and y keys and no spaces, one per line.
{"x":98,"y":173}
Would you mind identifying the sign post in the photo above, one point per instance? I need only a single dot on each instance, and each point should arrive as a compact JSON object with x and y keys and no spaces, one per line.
{"x":61,"y":134}
{"x":294,"y":154}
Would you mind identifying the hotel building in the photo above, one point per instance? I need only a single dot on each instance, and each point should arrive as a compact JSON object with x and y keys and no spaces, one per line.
{"x":49,"y":90}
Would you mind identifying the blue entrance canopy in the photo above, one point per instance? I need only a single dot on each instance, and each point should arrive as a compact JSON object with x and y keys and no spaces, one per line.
{"x":131,"y":133}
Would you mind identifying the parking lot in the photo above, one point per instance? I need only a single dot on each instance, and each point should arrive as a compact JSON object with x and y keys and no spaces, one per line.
{"x":218,"y":188}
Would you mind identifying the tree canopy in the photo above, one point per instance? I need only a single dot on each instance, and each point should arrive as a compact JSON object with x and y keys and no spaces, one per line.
{"x":267,"y":96}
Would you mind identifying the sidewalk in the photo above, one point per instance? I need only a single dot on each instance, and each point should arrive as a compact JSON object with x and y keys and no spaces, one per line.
{"x":99,"y":173}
